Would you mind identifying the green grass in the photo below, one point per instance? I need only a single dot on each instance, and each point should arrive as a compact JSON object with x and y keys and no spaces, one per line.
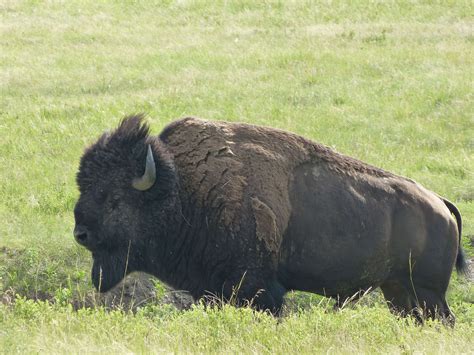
{"x":387,"y":82}
{"x":34,"y":327}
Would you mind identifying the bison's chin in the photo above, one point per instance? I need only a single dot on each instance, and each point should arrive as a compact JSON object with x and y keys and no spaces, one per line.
{"x":107,"y":272}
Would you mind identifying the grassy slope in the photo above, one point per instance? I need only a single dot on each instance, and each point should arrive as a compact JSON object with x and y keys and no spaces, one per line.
{"x":389,"y":84}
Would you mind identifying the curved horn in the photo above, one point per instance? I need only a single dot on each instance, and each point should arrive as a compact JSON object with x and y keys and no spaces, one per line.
{"x":148,"y":179}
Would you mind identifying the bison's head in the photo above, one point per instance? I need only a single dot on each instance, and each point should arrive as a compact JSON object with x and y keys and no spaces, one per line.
{"x":128,"y":197}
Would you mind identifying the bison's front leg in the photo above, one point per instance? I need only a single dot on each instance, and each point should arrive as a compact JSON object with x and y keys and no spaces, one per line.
{"x":250,"y":289}
{"x":258,"y":286}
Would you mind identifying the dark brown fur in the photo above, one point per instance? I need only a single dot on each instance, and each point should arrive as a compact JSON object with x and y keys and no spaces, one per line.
{"x":267,"y":210}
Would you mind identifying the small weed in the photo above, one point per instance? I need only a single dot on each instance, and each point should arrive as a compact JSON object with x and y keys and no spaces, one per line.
{"x":379,"y":38}
{"x":63,"y":296}
{"x":160,"y":289}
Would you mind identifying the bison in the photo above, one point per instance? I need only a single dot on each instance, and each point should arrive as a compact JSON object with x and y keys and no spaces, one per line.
{"x":247,"y":212}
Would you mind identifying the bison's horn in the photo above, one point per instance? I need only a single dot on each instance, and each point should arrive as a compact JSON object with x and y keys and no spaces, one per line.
{"x":148,"y":179}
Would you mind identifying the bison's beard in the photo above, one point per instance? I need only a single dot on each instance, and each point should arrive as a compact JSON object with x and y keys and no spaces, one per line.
{"x":108,"y":271}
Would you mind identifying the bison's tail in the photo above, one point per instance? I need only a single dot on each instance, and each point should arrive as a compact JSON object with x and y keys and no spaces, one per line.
{"x":461,"y":263}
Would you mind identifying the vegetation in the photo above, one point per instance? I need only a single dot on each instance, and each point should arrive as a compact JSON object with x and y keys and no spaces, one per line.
{"x":387,"y":82}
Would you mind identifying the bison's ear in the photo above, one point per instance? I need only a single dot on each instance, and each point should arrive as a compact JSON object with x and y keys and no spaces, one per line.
{"x":147,"y":180}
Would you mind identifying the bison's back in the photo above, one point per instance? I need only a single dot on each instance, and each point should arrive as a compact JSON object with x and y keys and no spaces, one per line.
{"x":225,"y":167}
{"x":241,"y":161}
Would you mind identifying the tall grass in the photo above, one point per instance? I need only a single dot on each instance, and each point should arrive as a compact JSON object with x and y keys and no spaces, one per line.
{"x":32,"y":327}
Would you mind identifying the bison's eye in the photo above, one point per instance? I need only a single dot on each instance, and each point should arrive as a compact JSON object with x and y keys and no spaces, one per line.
{"x":114,"y":201}
{"x":100,"y":194}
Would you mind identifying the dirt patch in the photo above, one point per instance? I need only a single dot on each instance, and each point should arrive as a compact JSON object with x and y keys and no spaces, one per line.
{"x":29,"y":268}
{"x":135,"y":291}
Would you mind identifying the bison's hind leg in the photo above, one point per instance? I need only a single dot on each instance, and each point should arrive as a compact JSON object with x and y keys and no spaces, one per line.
{"x":406,"y":299}
{"x":434,"y":305}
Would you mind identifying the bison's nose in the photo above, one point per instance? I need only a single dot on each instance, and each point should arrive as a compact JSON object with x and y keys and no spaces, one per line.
{"x":81,"y":234}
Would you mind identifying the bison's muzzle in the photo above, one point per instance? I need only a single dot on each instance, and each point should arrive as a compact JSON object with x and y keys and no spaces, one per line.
{"x":81,"y":234}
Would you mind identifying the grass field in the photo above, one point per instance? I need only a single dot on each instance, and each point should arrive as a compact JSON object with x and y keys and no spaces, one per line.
{"x":390,"y":83}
